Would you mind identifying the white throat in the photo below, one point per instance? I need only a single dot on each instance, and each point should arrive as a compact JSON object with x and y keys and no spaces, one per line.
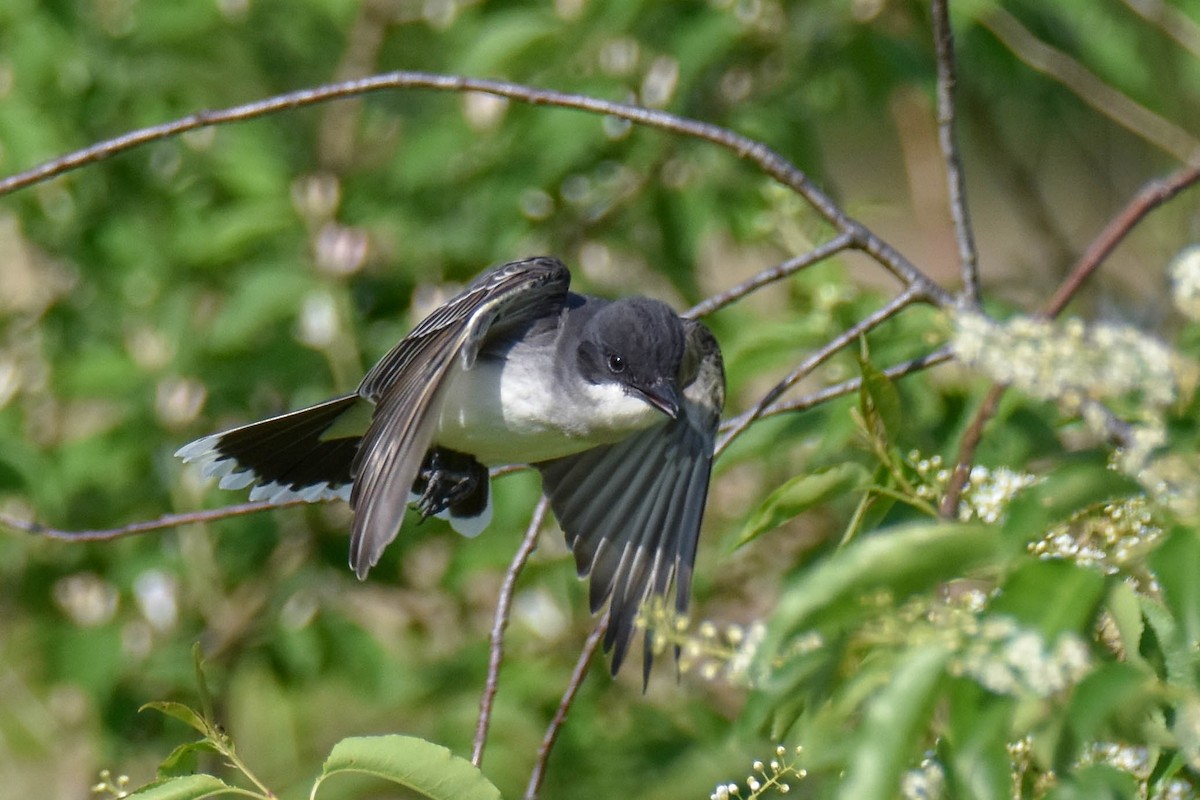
{"x":517,"y":410}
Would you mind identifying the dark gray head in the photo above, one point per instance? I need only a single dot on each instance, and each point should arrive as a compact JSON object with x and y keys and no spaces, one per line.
{"x":638,"y":344}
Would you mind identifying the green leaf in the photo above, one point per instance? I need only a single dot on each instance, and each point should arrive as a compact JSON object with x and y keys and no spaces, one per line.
{"x":428,"y":769}
{"x":182,"y":713}
{"x":878,"y":400}
{"x":1095,"y":782}
{"x":1176,"y":659}
{"x":892,"y":731}
{"x":802,"y":493}
{"x":183,"y":760}
{"x":800,"y":681}
{"x":899,"y":561}
{"x":902,"y":559}
{"x":1052,"y":596}
{"x":1176,"y":564}
{"x":1126,"y":612}
{"x":1105,"y":696}
{"x":187,"y":787}
{"x":975,"y":748}
{"x":206,"y":700}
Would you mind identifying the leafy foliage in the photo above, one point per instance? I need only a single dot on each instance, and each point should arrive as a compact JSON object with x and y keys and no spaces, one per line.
{"x":1047,"y":640}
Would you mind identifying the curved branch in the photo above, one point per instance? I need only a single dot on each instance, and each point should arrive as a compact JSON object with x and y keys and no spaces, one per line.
{"x":947,"y":78}
{"x":735,"y":427}
{"x":778,"y":272}
{"x":146,"y":526}
{"x":1091,"y":89}
{"x":767,"y":160}
{"x":560,"y":715}
{"x":851,"y":386}
{"x":1151,"y":196}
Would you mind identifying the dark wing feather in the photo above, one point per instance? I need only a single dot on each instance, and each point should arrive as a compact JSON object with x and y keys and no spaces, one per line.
{"x":407,"y":386}
{"x":631,"y":511}
{"x":292,"y":456}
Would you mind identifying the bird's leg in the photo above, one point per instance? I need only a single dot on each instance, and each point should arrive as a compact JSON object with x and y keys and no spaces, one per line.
{"x":448,"y":479}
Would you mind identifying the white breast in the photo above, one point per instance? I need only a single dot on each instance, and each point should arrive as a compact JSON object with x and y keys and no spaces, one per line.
{"x":512,"y":411}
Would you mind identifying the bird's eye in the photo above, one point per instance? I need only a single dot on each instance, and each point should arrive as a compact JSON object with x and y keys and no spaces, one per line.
{"x":616,"y":363}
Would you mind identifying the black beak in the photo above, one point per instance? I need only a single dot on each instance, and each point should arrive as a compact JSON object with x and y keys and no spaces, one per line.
{"x":664,"y":396}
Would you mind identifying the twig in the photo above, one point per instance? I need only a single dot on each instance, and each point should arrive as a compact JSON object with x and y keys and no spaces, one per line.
{"x":560,"y":716}
{"x":767,"y":276}
{"x":1151,"y":196}
{"x":1148,"y":198}
{"x":146,"y":526}
{"x":851,"y":386}
{"x":943,"y":38}
{"x":948,"y":507}
{"x":767,"y":160}
{"x":1089,"y":88}
{"x":1172,"y":21}
{"x":499,"y":624}
{"x":738,"y":425}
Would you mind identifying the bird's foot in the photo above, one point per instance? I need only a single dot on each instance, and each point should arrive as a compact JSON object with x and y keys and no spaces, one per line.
{"x":448,"y":480}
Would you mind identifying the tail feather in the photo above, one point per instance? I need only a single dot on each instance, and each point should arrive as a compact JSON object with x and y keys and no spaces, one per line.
{"x":289,"y":457}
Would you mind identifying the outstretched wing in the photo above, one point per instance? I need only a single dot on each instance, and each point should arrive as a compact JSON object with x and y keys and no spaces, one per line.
{"x":631,"y":511}
{"x":407,"y":385}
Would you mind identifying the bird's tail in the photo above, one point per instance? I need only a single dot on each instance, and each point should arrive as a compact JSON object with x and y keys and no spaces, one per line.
{"x":302,"y":455}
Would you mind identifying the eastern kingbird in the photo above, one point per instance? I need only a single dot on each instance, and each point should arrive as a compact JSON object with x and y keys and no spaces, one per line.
{"x":615,"y":403}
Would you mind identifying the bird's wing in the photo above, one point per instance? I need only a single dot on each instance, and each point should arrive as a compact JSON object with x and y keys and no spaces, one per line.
{"x":408,"y":383}
{"x":631,"y":511}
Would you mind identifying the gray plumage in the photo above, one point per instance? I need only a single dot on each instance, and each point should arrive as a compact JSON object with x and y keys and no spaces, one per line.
{"x":616,"y":403}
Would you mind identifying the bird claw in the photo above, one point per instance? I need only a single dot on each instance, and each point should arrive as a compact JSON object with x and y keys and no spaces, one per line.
{"x":446,"y":478}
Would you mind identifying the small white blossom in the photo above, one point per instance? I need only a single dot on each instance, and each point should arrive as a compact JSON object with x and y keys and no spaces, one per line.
{"x":1185,"y":281}
{"x":1067,"y":362}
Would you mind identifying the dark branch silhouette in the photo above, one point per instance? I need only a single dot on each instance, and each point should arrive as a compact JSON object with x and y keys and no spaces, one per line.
{"x":947,"y":78}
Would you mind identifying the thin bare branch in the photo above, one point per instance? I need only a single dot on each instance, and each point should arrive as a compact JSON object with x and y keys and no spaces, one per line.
{"x":1148,"y":198}
{"x":146,"y":526}
{"x":947,"y":78}
{"x":778,"y":272}
{"x":738,"y":425}
{"x":767,"y":160}
{"x":500,"y":623}
{"x":1151,"y":196}
{"x":948,"y":507}
{"x":560,"y":715}
{"x":1172,"y":21}
{"x":1098,"y":94}
{"x":851,"y":386}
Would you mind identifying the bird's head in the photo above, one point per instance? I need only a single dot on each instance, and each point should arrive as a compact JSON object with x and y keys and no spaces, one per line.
{"x":636,"y":344}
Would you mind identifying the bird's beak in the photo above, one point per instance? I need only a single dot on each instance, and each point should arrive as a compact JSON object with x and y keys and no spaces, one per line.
{"x":663,"y":396}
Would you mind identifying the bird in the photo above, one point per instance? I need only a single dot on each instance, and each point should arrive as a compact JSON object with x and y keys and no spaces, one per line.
{"x":616,"y":403}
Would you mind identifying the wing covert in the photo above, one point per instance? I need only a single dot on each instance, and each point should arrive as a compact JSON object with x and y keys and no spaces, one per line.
{"x":407,"y":386}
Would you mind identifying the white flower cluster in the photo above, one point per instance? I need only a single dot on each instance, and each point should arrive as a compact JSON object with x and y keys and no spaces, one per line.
{"x":1008,"y":659}
{"x":772,"y":776}
{"x":1068,"y":362}
{"x":925,"y":782}
{"x":986,"y":495}
{"x":1117,"y":536}
{"x":1138,"y":762}
{"x":725,"y":652}
{"x":989,"y":491}
{"x":1084,"y":368}
{"x":1185,"y":281}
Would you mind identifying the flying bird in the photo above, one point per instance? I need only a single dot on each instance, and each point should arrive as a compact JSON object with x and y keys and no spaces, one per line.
{"x":616,"y":404}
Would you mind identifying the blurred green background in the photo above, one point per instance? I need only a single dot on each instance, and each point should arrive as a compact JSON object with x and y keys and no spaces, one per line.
{"x":230,"y":274}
